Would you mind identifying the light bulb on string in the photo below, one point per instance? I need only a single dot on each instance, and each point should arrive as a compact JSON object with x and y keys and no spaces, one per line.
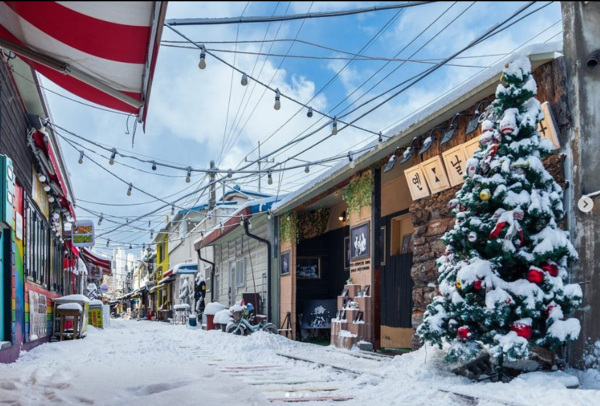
{"x":307,"y":168}
{"x":153,"y":165}
{"x":249,"y":224}
{"x":172,"y":210}
{"x":202,"y":63}
{"x":244,"y":79}
{"x":277,"y":104}
{"x":269,"y":214}
{"x":221,"y":225}
{"x":42,"y":178}
{"x":107,"y":243}
{"x":47,"y":188}
{"x":129,"y":246}
{"x":269,"y":178}
{"x":309,"y":114}
{"x":111,"y":161}
{"x":334,"y":129}
{"x":149,"y":223}
{"x":151,"y":234}
{"x":129,"y":190}
{"x":100,"y":219}
{"x":351,"y":159}
{"x":188,"y":176}
{"x":80,"y":157}
{"x":51,"y":199}
{"x":229,"y":173}
{"x":380,"y":144}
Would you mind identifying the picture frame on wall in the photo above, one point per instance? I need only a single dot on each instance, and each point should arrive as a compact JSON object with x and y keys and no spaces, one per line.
{"x":347,"y":253}
{"x":366,"y":290}
{"x":382,"y":245}
{"x":360,"y":242}
{"x":308,"y":268}
{"x":285,"y":263}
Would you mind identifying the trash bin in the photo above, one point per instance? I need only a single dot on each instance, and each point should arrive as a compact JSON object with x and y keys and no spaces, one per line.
{"x":192,"y":321}
{"x":210,"y":325}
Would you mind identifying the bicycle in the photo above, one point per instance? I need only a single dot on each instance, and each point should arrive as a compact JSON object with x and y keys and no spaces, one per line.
{"x":242,"y":326}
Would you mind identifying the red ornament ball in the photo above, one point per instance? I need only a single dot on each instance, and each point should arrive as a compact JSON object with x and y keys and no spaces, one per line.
{"x":549,"y":310}
{"x":535,"y":276}
{"x":522,"y":330}
{"x":552,"y":269}
{"x":477,"y":285}
{"x":464,"y":332}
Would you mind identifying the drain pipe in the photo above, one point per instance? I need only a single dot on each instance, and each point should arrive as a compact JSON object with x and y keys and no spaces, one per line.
{"x":212,"y":275}
{"x":257,"y":238}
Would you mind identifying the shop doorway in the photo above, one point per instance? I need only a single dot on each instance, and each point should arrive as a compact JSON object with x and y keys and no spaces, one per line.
{"x":396,"y":282}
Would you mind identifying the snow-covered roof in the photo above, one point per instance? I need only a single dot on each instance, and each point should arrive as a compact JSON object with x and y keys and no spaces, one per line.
{"x":437,"y":112}
{"x":250,"y":207}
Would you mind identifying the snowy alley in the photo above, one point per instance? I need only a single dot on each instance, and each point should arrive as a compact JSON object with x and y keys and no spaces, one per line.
{"x":144,"y":363}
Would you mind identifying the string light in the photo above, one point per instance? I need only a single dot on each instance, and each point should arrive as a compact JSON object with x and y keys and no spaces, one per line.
{"x":202,"y":63}
{"x":307,"y":169}
{"x":351,"y":159}
{"x":151,"y":234}
{"x":277,"y":105}
{"x":221,"y":225}
{"x":129,"y":246}
{"x":202,"y":233}
{"x":334,"y":129}
{"x":309,"y":114}
{"x":269,"y":178}
{"x":42,"y":178}
{"x":269,"y":214}
{"x":80,"y":157}
{"x":188,"y":176}
{"x":129,"y":190}
{"x":51,"y":199}
{"x":100,"y":219}
{"x":172,"y":210}
{"x":249,"y":224}
{"x":153,"y":165}
{"x":149,"y":223}
{"x":112,"y":157}
{"x":56,"y":216}
{"x":244,"y":80}
{"x":230,"y":173}
{"x":47,"y":188}
{"x":380,"y":144}
{"x":107,"y":243}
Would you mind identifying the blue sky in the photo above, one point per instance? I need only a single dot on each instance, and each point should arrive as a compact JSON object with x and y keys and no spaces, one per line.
{"x":186,"y":123}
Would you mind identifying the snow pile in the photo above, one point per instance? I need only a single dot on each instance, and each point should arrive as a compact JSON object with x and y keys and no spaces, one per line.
{"x":70,"y":306}
{"x":213,"y":308}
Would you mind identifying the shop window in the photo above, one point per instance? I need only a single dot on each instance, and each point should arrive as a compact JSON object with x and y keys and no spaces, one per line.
{"x":240,"y":273}
{"x":401,"y":235}
{"x":37,"y":247}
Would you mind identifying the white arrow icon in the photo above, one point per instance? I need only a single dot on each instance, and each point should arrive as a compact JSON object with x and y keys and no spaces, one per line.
{"x":585,"y":204}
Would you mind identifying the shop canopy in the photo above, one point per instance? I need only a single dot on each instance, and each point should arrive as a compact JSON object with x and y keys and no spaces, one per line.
{"x":104,"y":52}
{"x":92,"y":259}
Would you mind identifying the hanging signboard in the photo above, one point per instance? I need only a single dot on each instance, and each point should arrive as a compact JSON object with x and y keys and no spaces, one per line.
{"x":95,"y":272}
{"x":455,"y":160}
{"x":416,"y":182}
{"x":82,"y":234}
{"x":434,"y":172}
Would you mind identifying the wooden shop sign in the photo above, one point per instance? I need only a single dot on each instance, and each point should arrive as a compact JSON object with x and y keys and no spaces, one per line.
{"x":435,"y":174}
{"x":455,"y":160}
{"x":416,"y":182}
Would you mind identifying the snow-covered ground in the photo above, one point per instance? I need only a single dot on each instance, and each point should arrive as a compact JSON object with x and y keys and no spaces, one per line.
{"x":150,"y":363}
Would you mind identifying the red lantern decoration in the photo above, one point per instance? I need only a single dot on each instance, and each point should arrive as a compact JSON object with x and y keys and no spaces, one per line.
{"x":522,"y":330}
{"x":535,"y":276}
{"x":477,"y":285}
{"x":464,"y":332}
{"x":552,"y":269}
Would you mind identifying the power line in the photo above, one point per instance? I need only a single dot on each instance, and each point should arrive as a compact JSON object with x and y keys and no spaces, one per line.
{"x":244,"y":20}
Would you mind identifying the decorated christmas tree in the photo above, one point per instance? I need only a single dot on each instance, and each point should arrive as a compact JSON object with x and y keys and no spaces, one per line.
{"x":503,"y":278}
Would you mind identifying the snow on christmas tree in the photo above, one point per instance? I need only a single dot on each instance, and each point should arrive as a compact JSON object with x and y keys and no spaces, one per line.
{"x":503,"y":277}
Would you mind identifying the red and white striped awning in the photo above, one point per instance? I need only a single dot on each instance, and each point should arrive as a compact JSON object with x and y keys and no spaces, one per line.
{"x":104,"y":52}
{"x":92,"y":259}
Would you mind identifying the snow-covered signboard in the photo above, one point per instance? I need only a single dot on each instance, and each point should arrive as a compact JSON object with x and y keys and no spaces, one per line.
{"x":434,"y":172}
{"x":455,"y":160}
{"x":37,"y":316}
{"x":416,"y":182}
